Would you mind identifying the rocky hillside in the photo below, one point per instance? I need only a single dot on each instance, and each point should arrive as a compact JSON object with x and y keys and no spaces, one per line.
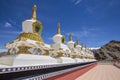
{"x":109,"y":51}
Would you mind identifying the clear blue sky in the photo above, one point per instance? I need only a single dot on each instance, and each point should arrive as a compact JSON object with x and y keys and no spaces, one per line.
{"x":93,"y":22}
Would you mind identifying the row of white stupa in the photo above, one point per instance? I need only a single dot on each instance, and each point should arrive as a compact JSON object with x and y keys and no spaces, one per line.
{"x":30,"y":49}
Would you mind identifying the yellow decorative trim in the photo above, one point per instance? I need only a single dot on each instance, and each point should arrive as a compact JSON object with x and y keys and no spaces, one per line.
{"x":68,"y":54}
{"x":73,"y":55}
{"x":60,"y":48}
{"x":51,"y":49}
{"x":85,"y":57}
{"x":63,"y":39}
{"x":23,"y":39}
{"x":59,"y":54}
{"x":75,"y":45}
{"x":46,"y":53}
{"x":24,"y":50}
{"x":31,"y":36}
{"x":82,"y":56}
{"x":37,"y":27}
{"x":40,"y":43}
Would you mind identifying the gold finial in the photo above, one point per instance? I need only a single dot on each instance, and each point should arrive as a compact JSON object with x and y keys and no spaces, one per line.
{"x":70,"y":36}
{"x":58,"y":31}
{"x":34,"y":12}
{"x":77,"y":42}
{"x":82,"y":45}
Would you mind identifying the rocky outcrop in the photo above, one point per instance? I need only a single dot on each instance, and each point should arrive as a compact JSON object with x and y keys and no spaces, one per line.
{"x":109,"y":51}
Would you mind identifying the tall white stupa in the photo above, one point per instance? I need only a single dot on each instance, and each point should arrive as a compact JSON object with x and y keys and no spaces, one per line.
{"x":78,"y":49}
{"x":60,"y":48}
{"x":59,"y":40}
{"x":30,"y":40}
{"x":70,"y":43}
{"x":29,"y":47}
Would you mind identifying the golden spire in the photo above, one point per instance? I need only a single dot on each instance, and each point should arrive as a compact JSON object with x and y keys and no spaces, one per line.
{"x":77,"y":42}
{"x":34,"y":12}
{"x":85,"y":46}
{"x":82,"y":45}
{"x":70,"y":36}
{"x":58,"y":31}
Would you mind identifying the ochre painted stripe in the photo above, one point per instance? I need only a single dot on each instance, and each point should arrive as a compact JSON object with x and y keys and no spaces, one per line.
{"x":72,"y":75}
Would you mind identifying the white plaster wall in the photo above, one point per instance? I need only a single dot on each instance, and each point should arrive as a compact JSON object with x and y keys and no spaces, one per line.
{"x":29,"y":59}
{"x":7,"y":60}
{"x":57,"y":38}
{"x":65,"y":47}
{"x":56,"y":46}
{"x":67,"y":60}
{"x":27,"y":26}
{"x":79,"y":60}
{"x":78,"y":49}
{"x":70,"y":44}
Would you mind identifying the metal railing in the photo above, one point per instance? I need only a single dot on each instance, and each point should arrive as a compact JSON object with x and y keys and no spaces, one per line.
{"x":43,"y":70}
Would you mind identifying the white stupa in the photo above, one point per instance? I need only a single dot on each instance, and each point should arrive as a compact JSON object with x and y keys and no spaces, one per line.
{"x":59,"y":40}
{"x":78,"y":48}
{"x":61,"y":48}
{"x":70,"y":43}
{"x":75,"y":48}
{"x":29,"y":47}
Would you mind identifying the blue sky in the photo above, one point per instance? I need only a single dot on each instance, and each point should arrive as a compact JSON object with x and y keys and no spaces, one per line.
{"x":93,"y":22}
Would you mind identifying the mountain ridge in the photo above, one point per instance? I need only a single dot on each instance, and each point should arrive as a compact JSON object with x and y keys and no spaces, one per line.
{"x":109,"y":51}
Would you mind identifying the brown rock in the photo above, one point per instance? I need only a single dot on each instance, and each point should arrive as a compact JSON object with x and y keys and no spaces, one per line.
{"x":109,"y":51}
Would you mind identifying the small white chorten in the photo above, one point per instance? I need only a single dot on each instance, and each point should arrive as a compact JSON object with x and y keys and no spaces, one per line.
{"x":61,"y":47}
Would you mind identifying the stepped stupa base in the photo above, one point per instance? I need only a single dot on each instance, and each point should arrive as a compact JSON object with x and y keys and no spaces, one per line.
{"x":79,"y":60}
{"x":67,"y":60}
{"x":27,"y":60}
